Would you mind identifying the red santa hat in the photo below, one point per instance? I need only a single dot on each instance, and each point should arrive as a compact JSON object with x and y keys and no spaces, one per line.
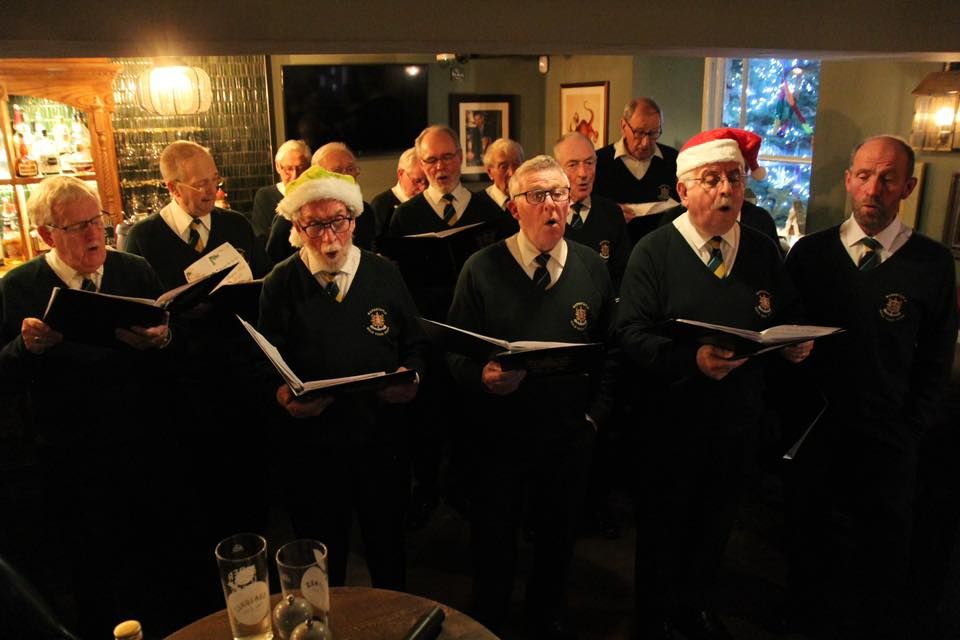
{"x":721,"y":145}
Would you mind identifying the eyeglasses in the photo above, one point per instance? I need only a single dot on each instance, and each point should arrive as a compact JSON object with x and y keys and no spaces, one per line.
{"x":712,"y":179}
{"x":538,"y":196}
{"x":639,"y":134}
{"x":204,"y":185}
{"x":97,"y":222}
{"x":316,"y":229}
{"x":446,"y":158}
{"x":350,"y":170}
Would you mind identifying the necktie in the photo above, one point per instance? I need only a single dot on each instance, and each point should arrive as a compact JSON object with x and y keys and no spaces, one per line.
{"x":870,"y":257}
{"x":716,"y":258}
{"x":448,"y":211}
{"x":194,"y":240}
{"x":88,"y":285}
{"x":331,"y":289}
{"x":576,"y":221}
{"x":541,"y":277}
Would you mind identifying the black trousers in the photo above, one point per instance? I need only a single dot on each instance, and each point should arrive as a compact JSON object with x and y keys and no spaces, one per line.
{"x":547,"y":463}
{"x":850,"y":499}
{"x":323,"y":488}
{"x":689,"y":485}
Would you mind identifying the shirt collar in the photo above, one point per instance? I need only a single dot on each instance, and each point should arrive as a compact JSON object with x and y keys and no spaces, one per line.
{"x":434,"y":195}
{"x":180,"y":220}
{"x":398,"y":192}
{"x":696,"y":238}
{"x":620,"y":150}
{"x":315,"y":265}
{"x":498,"y":196}
{"x":70,"y":276}
{"x":529,"y":252}
{"x":282,"y":188}
{"x":851,"y":233}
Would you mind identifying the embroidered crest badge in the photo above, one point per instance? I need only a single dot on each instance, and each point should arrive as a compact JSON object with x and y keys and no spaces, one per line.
{"x":605,"y":249}
{"x":581,"y":316}
{"x":663,"y":192}
{"x":893,"y":307}
{"x":764,"y":304}
{"x":378,"y":322}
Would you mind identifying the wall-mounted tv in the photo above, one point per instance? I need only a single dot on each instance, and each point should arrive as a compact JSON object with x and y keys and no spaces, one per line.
{"x":374,"y":108}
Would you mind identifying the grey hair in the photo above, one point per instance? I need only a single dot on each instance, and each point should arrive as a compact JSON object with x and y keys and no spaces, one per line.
{"x":53,"y":194}
{"x":533,"y":165}
{"x":290,"y":146}
{"x":506,"y":146}
{"x":327,"y":149}
{"x":433,"y":129}
{"x":648,"y":105}
{"x":408,"y":160}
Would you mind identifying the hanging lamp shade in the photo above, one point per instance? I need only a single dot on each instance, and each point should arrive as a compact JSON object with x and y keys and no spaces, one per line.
{"x":175,"y":90}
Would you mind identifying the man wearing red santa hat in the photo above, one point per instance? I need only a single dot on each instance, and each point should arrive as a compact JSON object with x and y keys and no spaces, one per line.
{"x":705,"y":402}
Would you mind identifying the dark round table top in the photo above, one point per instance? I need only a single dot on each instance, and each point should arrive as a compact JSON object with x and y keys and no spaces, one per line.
{"x":359,"y":613}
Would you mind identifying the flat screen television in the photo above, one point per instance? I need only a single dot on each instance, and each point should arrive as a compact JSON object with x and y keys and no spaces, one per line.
{"x":373,"y":108}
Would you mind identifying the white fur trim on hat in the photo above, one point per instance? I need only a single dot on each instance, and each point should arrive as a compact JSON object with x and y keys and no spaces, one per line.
{"x":712,"y":152}
{"x":347,"y":192}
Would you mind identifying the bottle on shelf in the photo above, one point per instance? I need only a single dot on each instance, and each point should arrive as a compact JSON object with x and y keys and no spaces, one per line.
{"x":128,"y":630}
{"x":46,"y":152}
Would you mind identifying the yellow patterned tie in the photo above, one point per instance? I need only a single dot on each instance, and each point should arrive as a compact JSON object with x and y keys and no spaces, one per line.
{"x":195,"y":240}
{"x":716,"y":257}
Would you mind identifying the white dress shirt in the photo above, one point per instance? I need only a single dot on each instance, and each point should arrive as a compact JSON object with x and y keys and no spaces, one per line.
{"x":892,"y":238}
{"x":636,"y":167}
{"x":72,"y":278}
{"x":525,"y":253}
{"x":461,"y":198}
{"x":700,"y":243}
{"x":498,"y":196}
{"x":343,"y":277}
{"x":181,"y":222}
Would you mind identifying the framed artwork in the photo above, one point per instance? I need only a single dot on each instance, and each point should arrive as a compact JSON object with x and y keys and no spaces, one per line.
{"x":952,"y":226}
{"x":585,"y":107}
{"x":479,"y":120}
{"x":910,"y":208}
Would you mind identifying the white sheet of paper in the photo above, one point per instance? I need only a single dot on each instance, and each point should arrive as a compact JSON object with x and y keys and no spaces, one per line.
{"x":217,"y":260}
{"x":650,"y":208}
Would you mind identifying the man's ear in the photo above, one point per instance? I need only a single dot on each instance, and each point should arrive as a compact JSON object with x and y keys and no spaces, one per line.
{"x":682,"y":192}
{"x":908,"y":188}
{"x":46,"y":236}
{"x":512,"y":208}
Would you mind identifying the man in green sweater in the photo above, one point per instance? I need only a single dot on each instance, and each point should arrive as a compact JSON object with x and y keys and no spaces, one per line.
{"x":334,"y":310}
{"x":894,"y":291}
{"x":528,"y":434}
{"x":705,"y":403}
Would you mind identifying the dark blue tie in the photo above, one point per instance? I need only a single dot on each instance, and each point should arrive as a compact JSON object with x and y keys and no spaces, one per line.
{"x":194,"y":239}
{"x":541,"y":277}
{"x":88,"y":285}
{"x":871,"y":257}
{"x":576,"y":221}
{"x":331,"y":289}
{"x":449,"y":210}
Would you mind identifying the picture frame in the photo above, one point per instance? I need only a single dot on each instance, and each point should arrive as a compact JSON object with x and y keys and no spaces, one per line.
{"x":910,"y":208}
{"x":479,"y":119}
{"x":951,"y":236}
{"x":581,"y":98}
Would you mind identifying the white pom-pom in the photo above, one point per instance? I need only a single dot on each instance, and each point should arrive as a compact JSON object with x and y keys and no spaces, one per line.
{"x":759,"y":173}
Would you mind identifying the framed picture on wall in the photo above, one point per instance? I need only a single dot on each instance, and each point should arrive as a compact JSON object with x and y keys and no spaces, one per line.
{"x":478,"y":121}
{"x":952,"y":227}
{"x":584,"y":107}
{"x":910,"y":208}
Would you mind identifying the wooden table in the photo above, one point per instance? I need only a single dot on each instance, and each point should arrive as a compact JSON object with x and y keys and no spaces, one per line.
{"x":359,"y":613}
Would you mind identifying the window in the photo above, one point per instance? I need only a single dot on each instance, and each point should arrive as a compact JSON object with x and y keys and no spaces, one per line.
{"x":776,"y":98}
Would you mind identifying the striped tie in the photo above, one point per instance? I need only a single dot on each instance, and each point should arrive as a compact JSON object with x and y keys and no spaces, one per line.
{"x":576,"y":221}
{"x":541,"y":277}
{"x":88,"y":284}
{"x":194,"y":240}
{"x":716,"y":258}
{"x":449,"y":210}
{"x":871,"y":256}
